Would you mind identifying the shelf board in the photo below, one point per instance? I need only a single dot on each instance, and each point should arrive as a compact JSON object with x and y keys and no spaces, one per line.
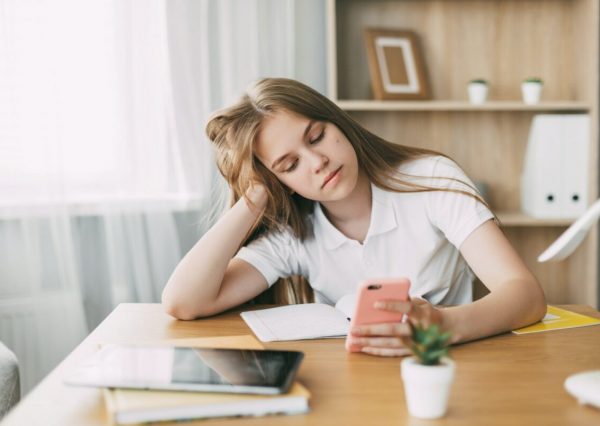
{"x":371,"y":105}
{"x":515,"y":218}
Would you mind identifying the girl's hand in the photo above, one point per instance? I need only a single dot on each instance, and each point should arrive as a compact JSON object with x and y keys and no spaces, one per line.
{"x":258,"y":197}
{"x":395,"y":339}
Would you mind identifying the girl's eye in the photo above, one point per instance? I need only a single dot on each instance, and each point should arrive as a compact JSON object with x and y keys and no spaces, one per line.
{"x":292,"y":167}
{"x":318,"y":138}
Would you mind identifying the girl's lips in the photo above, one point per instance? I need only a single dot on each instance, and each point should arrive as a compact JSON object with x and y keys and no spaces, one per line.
{"x":330,"y":176}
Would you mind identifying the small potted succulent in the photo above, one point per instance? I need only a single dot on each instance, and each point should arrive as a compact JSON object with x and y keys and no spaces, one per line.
{"x":428,"y":375}
{"x":477,"y":90}
{"x":531,"y":88}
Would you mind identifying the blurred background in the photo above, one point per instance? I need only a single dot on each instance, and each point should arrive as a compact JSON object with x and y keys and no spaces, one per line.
{"x":105,"y":171}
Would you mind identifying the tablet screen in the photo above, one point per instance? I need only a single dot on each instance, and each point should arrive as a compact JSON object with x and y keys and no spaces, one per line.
{"x":193,"y":369}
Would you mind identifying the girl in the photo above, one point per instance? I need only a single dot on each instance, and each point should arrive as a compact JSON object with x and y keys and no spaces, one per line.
{"x":317,"y":195}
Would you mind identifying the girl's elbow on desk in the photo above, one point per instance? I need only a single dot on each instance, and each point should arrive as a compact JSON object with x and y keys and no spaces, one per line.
{"x":177,"y":310}
{"x":529,"y":301}
{"x":537,"y":304}
{"x":183,"y":310}
{"x":184,"y":313}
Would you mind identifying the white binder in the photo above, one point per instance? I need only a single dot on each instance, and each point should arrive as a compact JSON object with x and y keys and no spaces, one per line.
{"x":554,"y":182}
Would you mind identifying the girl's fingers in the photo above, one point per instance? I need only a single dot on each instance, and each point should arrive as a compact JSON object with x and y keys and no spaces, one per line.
{"x":394,"y":306}
{"x":394,"y":339}
{"x":417,"y":310}
{"x":385,"y":342}
{"x":383,"y":329}
{"x":386,"y":351}
{"x":425,"y":314}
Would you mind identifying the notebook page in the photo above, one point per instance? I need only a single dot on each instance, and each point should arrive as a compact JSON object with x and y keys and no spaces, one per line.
{"x":347,"y":304}
{"x":297,"y":322}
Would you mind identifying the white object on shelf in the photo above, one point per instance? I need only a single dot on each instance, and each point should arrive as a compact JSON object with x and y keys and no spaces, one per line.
{"x":532,"y":92}
{"x":585,"y":387}
{"x":427,"y":387}
{"x":554,"y":180}
{"x":477,"y":93}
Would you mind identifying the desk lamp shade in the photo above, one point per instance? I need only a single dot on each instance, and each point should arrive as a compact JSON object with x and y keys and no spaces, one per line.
{"x":572,"y":237}
{"x":584,"y":386}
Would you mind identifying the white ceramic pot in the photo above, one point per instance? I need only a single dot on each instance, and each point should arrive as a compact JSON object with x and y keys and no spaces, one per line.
{"x":532,"y":92}
{"x":427,"y":387}
{"x":477,"y":92}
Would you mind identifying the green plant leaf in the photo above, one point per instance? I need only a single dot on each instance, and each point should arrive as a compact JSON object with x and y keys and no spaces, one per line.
{"x":533,"y":80}
{"x":430,"y":343}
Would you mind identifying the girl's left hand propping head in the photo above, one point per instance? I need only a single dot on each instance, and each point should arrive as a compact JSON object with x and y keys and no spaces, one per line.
{"x":395,"y":338}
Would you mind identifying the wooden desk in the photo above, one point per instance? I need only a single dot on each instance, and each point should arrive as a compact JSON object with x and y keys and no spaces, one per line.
{"x":507,"y":379}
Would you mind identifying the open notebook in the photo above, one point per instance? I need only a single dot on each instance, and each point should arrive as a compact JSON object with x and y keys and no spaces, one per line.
{"x":300,"y":322}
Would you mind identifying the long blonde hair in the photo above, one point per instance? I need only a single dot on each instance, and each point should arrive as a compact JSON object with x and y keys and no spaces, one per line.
{"x":234,"y":132}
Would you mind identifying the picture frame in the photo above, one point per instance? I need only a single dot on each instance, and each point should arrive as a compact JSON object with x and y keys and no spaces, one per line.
{"x":396,"y":65}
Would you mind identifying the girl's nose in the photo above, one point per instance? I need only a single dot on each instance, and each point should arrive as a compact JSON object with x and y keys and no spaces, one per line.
{"x":318,"y":161}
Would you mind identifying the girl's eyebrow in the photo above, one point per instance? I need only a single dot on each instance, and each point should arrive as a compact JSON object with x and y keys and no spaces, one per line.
{"x":284,"y":156}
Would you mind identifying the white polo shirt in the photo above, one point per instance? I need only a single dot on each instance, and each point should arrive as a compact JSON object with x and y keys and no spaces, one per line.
{"x":414,"y":235}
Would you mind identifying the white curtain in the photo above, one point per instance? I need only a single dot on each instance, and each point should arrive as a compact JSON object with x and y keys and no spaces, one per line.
{"x":105,"y":173}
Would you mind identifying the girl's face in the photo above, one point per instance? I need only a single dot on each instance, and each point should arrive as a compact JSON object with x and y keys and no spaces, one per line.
{"x":312,"y":158}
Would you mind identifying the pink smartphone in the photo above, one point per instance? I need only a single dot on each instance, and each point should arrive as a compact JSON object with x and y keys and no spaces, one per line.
{"x":369,"y":292}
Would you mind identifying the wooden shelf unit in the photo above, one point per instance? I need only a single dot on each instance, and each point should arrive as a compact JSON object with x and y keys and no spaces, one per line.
{"x":371,"y":105}
{"x":503,"y":41}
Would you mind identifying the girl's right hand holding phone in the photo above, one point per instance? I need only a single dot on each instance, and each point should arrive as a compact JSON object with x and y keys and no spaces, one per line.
{"x":395,"y":338}
{"x":388,"y":324}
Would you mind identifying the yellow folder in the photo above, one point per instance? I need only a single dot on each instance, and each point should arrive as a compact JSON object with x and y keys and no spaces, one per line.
{"x":557,"y":319}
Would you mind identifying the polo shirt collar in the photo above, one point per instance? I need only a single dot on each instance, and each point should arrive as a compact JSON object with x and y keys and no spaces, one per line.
{"x":332,"y":237}
{"x":383,"y":219}
{"x":383,"y":215}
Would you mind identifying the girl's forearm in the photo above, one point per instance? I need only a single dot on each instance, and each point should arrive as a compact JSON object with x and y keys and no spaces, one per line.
{"x":197,"y":279}
{"x":515,"y":304}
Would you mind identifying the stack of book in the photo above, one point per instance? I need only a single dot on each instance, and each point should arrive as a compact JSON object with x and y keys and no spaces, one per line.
{"x":129,"y":406}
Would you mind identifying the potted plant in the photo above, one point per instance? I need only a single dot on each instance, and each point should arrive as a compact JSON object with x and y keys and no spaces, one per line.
{"x":428,"y":375}
{"x":531,"y":88}
{"x":478,"y":90}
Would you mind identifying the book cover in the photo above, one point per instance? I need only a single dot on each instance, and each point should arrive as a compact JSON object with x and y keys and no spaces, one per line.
{"x":557,"y":319}
{"x":127,"y":406}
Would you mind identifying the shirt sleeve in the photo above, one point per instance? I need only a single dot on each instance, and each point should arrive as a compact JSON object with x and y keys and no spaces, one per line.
{"x":275,"y":255}
{"x":455,"y":214}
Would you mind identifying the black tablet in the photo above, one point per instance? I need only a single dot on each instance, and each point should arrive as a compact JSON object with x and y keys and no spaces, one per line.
{"x":189,"y":369}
